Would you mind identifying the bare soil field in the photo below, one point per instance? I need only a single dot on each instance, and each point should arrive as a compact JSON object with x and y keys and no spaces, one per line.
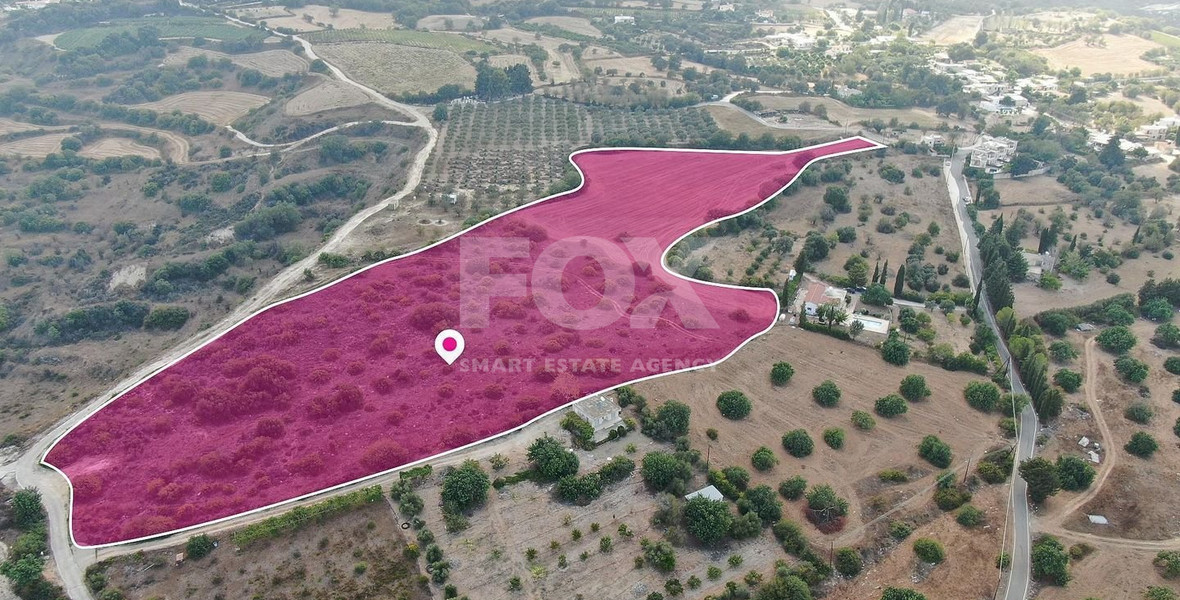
{"x":574,"y":24}
{"x":219,"y":107}
{"x":566,"y":68}
{"x":737,"y":123}
{"x":273,"y":63}
{"x":816,"y":357}
{"x":395,"y":69}
{"x":847,"y":115}
{"x":1120,"y":55}
{"x":449,"y":22}
{"x":954,"y":30}
{"x":36,"y":147}
{"x":116,"y":146}
{"x":358,"y":554}
{"x":331,"y":94}
{"x":321,"y":16}
{"x":1109,"y":572}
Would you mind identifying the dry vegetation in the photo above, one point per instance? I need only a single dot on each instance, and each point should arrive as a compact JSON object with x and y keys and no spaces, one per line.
{"x":449,"y":22}
{"x":218,"y":107}
{"x":273,"y":63}
{"x":321,"y":18}
{"x":108,"y":147}
{"x":954,"y":30}
{"x":575,"y":24}
{"x":393,"y":69}
{"x":566,"y":67}
{"x":331,"y":94}
{"x":1119,"y":55}
{"x":844,"y":114}
{"x":36,"y":147}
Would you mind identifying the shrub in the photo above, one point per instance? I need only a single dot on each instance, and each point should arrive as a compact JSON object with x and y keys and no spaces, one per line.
{"x":781,"y":373}
{"x":950,"y":498}
{"x":664,"y":471}
{"x":913,"y":388}
{"x":1062,"y":351}
{"x":969,"y":516}
{"x":848,"y":562}
{"x":895,"y":351}
{"x":1172,"y":365}
{"x":465,"y":487}
{"x":1116,"y":339}
{"x":1169,"y":562}
{"x":199,"y":546}
{"x":551,"y":461}
{"x":826,"y":394}
{"x":1142,"y":445}
{"x":1131,"y":369}
{"x":659,"y":555}
{"x":1139,"y":412}
{"x":891,"y":406}
{"x":863,"y":420}
{"x":793,"y":488}
{"x":791,"y":536}
{"x":834,"y":438}
{"x":1074,"y":473}
{"x":824,"y":505}
{"x":982,"y":396}
{"x":707,"y":520}
{"x":893,"y":476}
{"x":1050,"y":562}
{"x":929,"y":550}
{"x":764,"y":459}
{"x":1068,"y":380}
{"x":900,"y":530}
{"x":935,"y":451}
{"x":1155,"y":592}
{"x":797,"y":443}
{"x":733,"y":405}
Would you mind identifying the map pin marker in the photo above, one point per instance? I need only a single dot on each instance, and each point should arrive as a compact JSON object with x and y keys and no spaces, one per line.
{"x":449,"y":345}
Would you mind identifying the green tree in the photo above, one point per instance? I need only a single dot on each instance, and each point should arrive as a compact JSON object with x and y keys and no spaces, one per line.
{"x":1041,"y":477}
{"x":834,"y":437}
{"x":935,"y":451}
{"x":891,"y":406}
{"x":1142,"y":445}
{"x":1069,"y":380}
{"x":848,"y":562}
{"x":863,"y":420}
{"x":663,"y":471}
{"x":199,"y":546}
{"x":551,"y":461}
{"x":660,"y":555}
{"x":26,"y":508}
{"x":876,"y":295}
{"x":733,"y":405}
{"x":763,"y":459}
{"x":1074,"y":473}
{"x":465,"y":487}
{"x":797,"y":443}
{"x":762,"y":501}
{"x":781,"y":373}
{"x":981,"y":395}
{"x":784,"y":588}
{"x":857,"y":269}
{"x":1116,"y":340}
{"x":895,"y":351}
{"x":892,"y":593}
{"x":826,"y":394}
{"x":707,"y":520}
{"x":1050,"y":562}
{"x":913,"y":388}
{"x":825,"y":504}
{"x":793,"y":488}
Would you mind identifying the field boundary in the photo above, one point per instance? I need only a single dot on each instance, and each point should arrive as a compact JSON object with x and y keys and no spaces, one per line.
{"x":868,"y":145}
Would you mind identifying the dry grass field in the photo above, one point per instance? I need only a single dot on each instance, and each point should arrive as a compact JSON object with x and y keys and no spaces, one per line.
{"x":218,"y":107}
{"x":273,"y":63}
{"x":449,"y":22}
{"x":847,"y":115}
{"x":8,"y":126}
{"x":321,"y":17}
{"x":566,"y":67}
{"x":1120,"y":55}
{"x":36,"y":147}
{"x":328,"y":95}
{"x":115,"y":146}
{"x":574,"y":24}
{"x":737,"y":123}
{"x":395,"y":69}
{"x":954,"y":30}
{"x":259,"y":12}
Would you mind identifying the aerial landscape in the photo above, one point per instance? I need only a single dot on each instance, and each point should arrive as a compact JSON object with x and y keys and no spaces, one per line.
{"x":589,"y":299}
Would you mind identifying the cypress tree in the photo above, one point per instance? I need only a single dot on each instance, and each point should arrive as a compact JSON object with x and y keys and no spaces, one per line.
{"x":1073,"y":243}
{"x":899,"y":283}
{"x":885,"y":272}
{"x":876,"y":272}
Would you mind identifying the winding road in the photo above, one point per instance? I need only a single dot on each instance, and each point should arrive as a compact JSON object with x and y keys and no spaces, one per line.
{"x":27,"y":470}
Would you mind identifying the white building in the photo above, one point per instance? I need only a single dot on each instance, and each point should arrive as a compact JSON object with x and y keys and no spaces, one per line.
{"x":992,"y":153}
{"x":601,"y":413}
{"x":1004,"y":104}
{"x":708,"y":491}
{"x":624,"y":20}
{"x":798,"y":41}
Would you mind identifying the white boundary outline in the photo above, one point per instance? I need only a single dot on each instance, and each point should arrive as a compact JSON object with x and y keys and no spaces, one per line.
{"x":873,"y":145}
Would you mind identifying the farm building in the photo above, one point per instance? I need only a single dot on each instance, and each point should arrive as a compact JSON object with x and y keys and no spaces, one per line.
{"x":708,"y":491}
{"x":602,"y":413}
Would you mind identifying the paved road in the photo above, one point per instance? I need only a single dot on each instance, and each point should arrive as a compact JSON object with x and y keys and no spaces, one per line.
{"x":1018,"y":579}
{"x":27,"y":470}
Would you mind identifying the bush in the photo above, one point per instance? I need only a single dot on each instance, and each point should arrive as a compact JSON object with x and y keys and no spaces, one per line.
{"x":863,"y":420}
{"x":464,"y":487}
{"x":935,"y":451}
{"x":707,"y":520}
{"x":781,"y":373}
{"x":1172,"y":365}
{"x":199,"y":546}
{"x":982,"y":396}
{"x":914,"y":388}
{"x":929,"y":550}
{"x":551,"y":461}
{"x":1139,"y":412}
{"x":1142,"y":445}
{"x":1116,"y":340}
{"x":798,"y":443}
{"x":834,"y":438}
{"x":764,"y":459}
{"x":665,"y":472}
{"x":1062,"y":351}
{"x":659,"y":555}
{"x":826,"y":394}
{"x":793,"y":488}
{"x":895,"y":351}
{"x":969,"y":516}
{"x":733,"y":405}
{"x":168,"y":318}
{"x":848,"y":562}
{"x":1131,"y":369}
{"x":824,"y":505}
{"x":891,"y":406}
{"x":669,"y":421}
{"x":1050,"y":562}
{"x":1074,"y":473}
{"x":950,"y":498}
{"x":893,"y":476}
{"x":1169,"y":562}
{"x":1068,"y":380}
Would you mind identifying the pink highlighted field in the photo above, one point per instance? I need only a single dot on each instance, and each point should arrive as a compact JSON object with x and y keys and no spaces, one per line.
{"x":556,"y":301}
